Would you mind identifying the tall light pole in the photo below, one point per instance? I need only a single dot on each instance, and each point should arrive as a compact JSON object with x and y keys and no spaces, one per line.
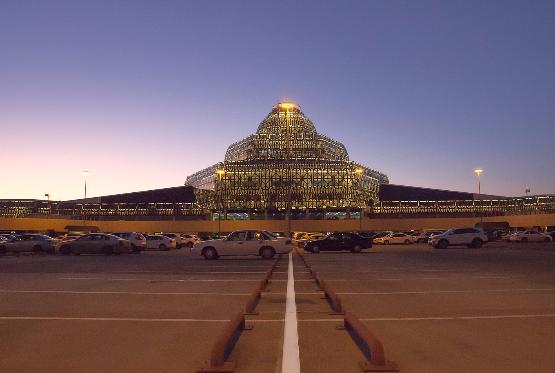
{"x":85,"y":176}
{"x":478,"y":171}
{"x":221,"y":173}
{"x":359,"y":171}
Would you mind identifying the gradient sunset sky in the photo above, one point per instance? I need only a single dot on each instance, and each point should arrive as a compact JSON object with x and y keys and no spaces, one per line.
{"x":144,"y":93}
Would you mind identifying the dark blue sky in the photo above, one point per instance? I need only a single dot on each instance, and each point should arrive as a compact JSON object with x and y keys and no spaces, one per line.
{"x":145,"y":93}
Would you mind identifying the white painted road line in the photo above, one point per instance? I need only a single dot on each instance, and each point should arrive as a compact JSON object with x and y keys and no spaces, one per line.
{"x":432,"y":318}
{"x":439,"y":318}
{"x":290,"y":362}
{"x":76,"y":292}
{"x":134,"y":319}
{"x":155,"y":280}
{"x":447,"y":291}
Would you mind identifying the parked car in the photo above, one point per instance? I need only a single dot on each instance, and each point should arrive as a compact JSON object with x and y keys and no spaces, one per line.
{"x":29,"y":243}
{"x":367,"y":234}
{"x":471,"y":237}
{"x":425,"y":236}
{"x":245,"y":242}
{"x":96,"y":243}
{"x":530,"y":236}
{"x":414,"y":236}
{"x":137,"y":240}
{"x":393,"y":238}
{"x":339,"y":242}
{"x":382,"y":234}
{"x":8,"y":236}
{"x":307,"y":237}
{"x":179,"y":241}
{"x":160,"y":242}
{"x":189,"y":240}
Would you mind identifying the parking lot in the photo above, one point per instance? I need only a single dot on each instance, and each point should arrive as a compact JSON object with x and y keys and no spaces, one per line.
{"x":454,"y":310}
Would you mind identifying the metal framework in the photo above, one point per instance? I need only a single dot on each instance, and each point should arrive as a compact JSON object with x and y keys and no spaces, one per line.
{"x":287,"y":165}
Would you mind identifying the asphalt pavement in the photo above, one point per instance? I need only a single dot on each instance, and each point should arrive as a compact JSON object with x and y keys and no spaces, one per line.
{"x":455,"y":310}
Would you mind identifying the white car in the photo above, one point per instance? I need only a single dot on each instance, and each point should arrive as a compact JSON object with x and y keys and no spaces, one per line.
{"x":414,"y":236}
{"x":470,"y":237}
{"x":393,"y":238}
{"x":137,"y":240}
{"x":530,"y":236}
{"x":246,"y":242}
{"x":179,"y":242}
{"x":29,"y":243}
{"x":160,"y":242}
{"x":189,"y":240}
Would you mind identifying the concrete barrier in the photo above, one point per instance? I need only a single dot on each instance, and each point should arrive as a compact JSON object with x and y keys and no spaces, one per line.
{"x":224,"y":346}
{"x":268,"y":275}
{"x":370,"y":346}
{"x":333,"y":300}
{"x":262,"y":284}
{"x":252,"y":302}
{"x":321,"y":284}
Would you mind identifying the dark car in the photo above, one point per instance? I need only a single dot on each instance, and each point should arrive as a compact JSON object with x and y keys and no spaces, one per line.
{"x":339,"y":242}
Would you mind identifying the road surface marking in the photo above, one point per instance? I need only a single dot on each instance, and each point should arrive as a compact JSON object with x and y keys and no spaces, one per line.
{"x":116,"y":292}
{"x":155,"y":280}
{"x":290,"y":362}
{"x":187,"y":273}
{"x":432,"y":318}
{"x":444,"y":291}
{"x":435,"y":318}
{"x":135,"y":319}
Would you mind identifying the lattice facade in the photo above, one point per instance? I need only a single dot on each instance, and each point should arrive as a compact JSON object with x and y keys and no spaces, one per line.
{"x":287,"y":164}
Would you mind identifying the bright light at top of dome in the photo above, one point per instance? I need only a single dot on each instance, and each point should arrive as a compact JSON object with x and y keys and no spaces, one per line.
{"x":287,"y":105}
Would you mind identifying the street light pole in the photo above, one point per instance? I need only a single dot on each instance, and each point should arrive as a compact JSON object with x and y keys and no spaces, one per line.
{"x":478,"y":172}
{"x":85,"y":175}
{"x":220,"y":173}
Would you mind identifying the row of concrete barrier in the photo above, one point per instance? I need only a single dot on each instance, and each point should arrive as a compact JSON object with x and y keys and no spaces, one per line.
{"x":367,"y":342}
{"x":223,"y":347}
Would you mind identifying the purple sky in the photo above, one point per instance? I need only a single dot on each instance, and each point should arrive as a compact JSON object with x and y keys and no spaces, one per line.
{"x":144,"y":93}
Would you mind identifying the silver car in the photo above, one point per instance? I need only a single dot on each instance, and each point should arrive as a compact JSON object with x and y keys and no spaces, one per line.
{"x":39,"y":243}
{"x":96,"y":243}
{"x":137,"y":240}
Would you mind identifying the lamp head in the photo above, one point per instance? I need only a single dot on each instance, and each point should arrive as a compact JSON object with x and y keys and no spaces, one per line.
{"x":287,"y":105}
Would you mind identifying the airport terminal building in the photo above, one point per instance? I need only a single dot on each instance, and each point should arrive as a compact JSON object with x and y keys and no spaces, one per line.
{"x":287,"y":165}
{"x":286,"y":170}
